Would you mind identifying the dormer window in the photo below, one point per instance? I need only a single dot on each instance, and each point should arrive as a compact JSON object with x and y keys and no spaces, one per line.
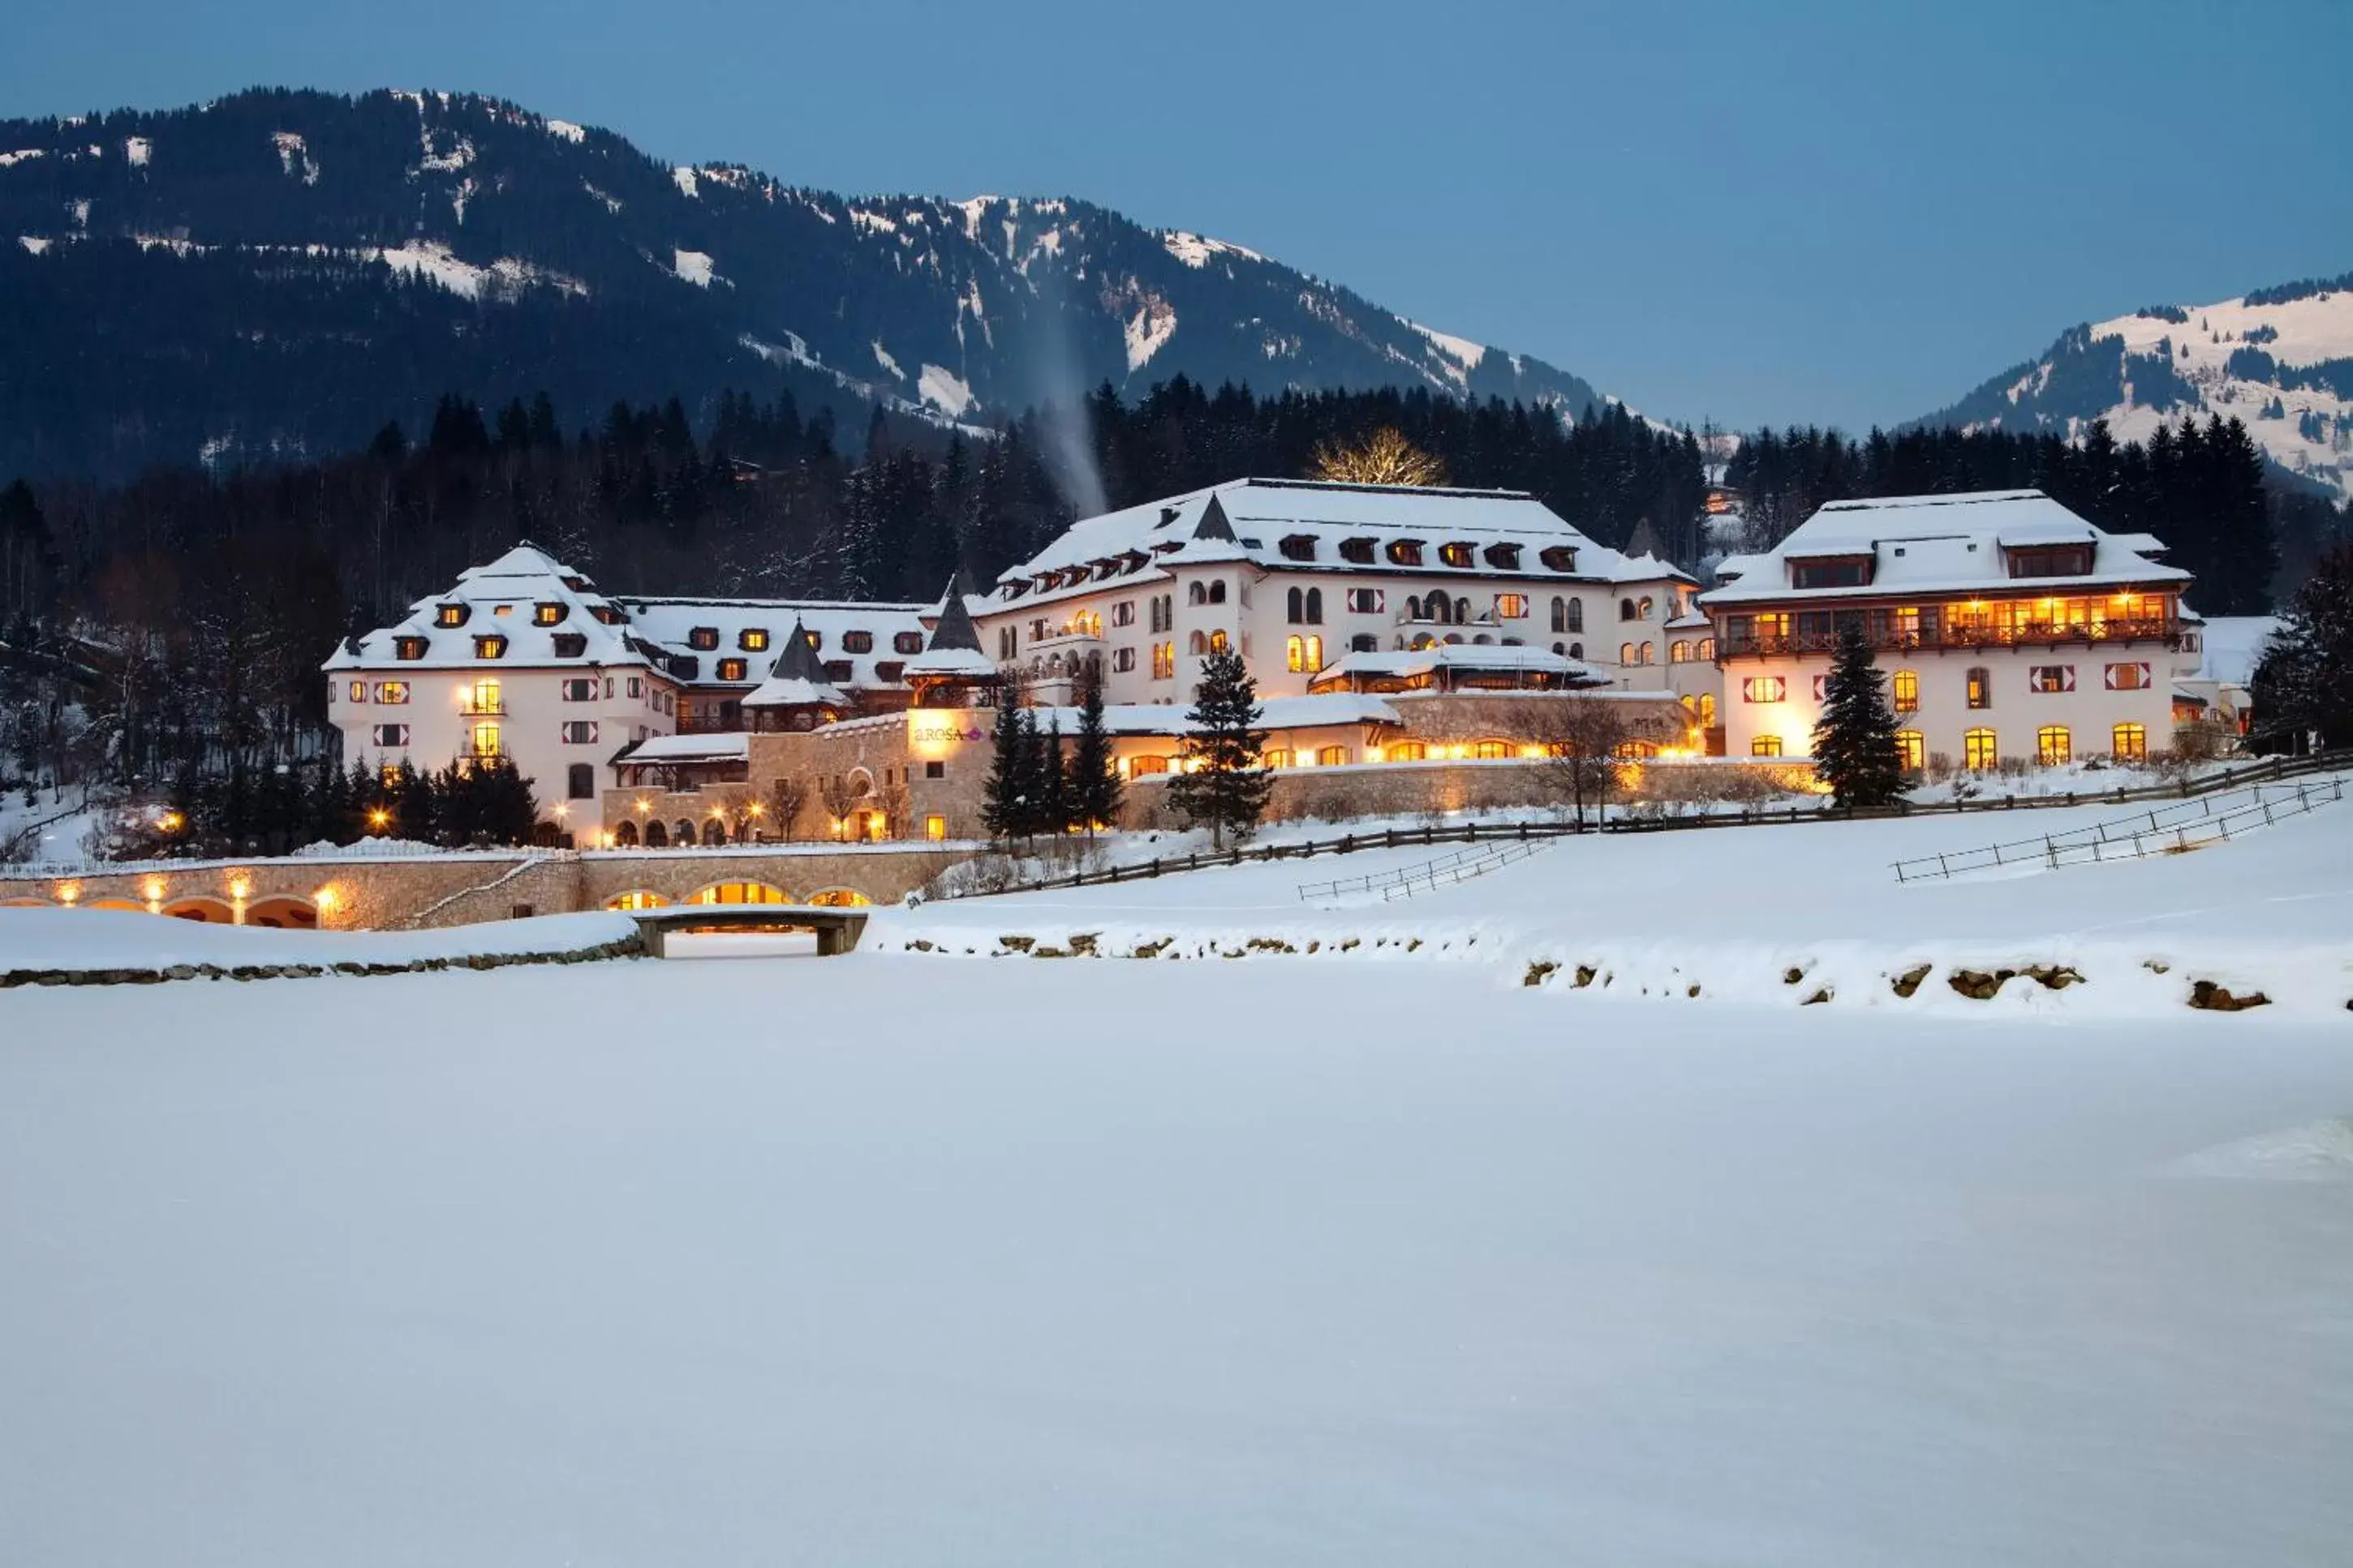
{"x":608,"y":614}
{"x":547,"y":615}
{"x":502,"y":609}
{"x":816,"y":637}
{"x":1457,"y":554}
{"x":578,"y":583}
{"x":753,"y":639}
{"x":1503,"y":557}
{"x":702,"y":639}
{"x":839,"y":672}
{"x":489,"y":647}
{"x":1298,"y":547}
{"x":1014,"y":590}
{"x":1405,"y":552}
{"x":889,"y":670}
{"x":858,"y":642}
{"x":411,"y":649}
{"x":2051,"y":561}
{"x":452,"y":614}
{"x":1558,"y":558}
{"x":1359,"y":551}
{"x":732,"y":669}
{"x":570,"y":645}
{"x":907,"y":642}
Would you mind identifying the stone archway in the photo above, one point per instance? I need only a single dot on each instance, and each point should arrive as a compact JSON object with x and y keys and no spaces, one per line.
{"x":206,"y":910}
{"x":283,"y":911}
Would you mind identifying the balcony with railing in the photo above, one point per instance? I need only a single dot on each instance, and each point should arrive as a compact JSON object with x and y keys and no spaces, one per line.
{"x":1959,"y":636}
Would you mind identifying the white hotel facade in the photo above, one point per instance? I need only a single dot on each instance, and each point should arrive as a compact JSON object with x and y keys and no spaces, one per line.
{"x":2008,"y":627}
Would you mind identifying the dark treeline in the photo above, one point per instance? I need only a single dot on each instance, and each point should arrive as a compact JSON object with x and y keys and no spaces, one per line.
{"x":181,"y":618}
{"x":2202,"y":490}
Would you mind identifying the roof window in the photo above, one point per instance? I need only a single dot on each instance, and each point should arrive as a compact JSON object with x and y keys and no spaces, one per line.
{"x":452,"y":614}
{"x":1405,"y":552}
{"x":705,"y":639}
{"x":1359,"y":551}
{"x":1457,"y":554}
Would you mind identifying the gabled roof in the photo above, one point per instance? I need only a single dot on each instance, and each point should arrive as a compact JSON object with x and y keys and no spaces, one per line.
{"x":1942,"y":544}
{"x":1248,"y":520}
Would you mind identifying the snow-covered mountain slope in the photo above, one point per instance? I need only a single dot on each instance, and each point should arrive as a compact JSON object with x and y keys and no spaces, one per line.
{"x":2280,"y":360}
{"x":281,"y":271}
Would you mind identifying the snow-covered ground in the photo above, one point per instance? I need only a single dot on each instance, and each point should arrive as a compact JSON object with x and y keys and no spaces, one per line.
{"x":759,"y":1261}
{"x":128,"y":939}
{"x":1733,"y":910}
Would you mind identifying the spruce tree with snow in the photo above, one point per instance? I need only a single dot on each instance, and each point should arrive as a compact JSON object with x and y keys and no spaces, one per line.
{"x":1003,"y":800}
{"x":1225,"y":781}
{"x":1854,"y":741}
{"x":1095,"y":789}
{"x":2303,"y":683}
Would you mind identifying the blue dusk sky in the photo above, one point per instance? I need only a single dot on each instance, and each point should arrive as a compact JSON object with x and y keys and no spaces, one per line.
{"x":1847,"y":213}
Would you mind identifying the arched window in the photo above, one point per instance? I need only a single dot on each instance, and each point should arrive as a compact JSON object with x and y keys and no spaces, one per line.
{"x":1911,"y":750}
{"x":1332,"y":756}
{"x":1407,"y":752}
{"x":1706,"y":650}
{"x":657,"y":835}
{"x":1643,"y":609}
{"x":714,"y":830}
{"x":1198,"y":594}
{"x":626,"y":836}
{"x":1281,"y":757}
{"x":1577,"y":650}
{"x":1707,"y":709}
{"x":1217,"y":641}
{"x":1625,"y":653}
{"x":1679,"y":652}
{"x":1314,"y":654}
{"x":1295,"y":608}
{"x":1978,"y":751}
{"x":1461,"y":612}
{"x":1218,"y":592}
{"x":740,"y":893}
{"x":1438,"y":608}
{"x":1412,"y":607}
{"x":1903,"y":690}
{"x":1483,"y":639}
{"x":1365,"y":642}
{"x":1490,"y":751}
{"x":1294,"y":652}
{"x":2053,"y":745}
{"x":1314,"y":607}
{"x":1576,"y":616}
{"x":1143,"y":765}
{"x":1980,"y":688}
{"x":2130,"y":742}
{"x":681,"y":833}
{"x":1198,"y":644}
{"x":1559,"y":613}
{"x":1625,"y":609}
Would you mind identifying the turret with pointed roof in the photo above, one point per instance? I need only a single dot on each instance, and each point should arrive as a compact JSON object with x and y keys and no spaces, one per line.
{"x":952,"y":665}
{"x":797,"y":694}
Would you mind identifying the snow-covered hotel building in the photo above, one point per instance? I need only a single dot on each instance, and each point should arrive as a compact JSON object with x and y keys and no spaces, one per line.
{"x":1313,"y":581}
{"x":2007,"y":625}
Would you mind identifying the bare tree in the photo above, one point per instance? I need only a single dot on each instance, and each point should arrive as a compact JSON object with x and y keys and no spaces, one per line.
{"x":837,"y":798}
{"x":1383,"y":457}
{"x":788,"y":798}
{"x":1581,"y":735}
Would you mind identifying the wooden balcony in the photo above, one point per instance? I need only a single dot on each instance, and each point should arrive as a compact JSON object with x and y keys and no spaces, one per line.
{"x":2051,"y":634}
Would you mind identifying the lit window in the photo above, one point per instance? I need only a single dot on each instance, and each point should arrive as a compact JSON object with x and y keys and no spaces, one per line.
{"x":1332,"y":756}
{"x":1980,"y":692}
{"x":754,"y":639}
{"x":2128,"y":678}
{"x":1314,"y":654}
{"x":449,"y":615}
{"x":546,"y":615}
{"x":703,"y":639}
{"x":1295,"y":653}
{"x":410,"y":649}
{"x":1218,"y":641}
{"x":1765,"y":746}
{"x":488,"y":740}
{"x":935,"y":828}
{"x":489,"y":647}
{"x":1910,"y":750}
{"x":1510,"y":606}
{"x":2051,"y":677}
{"x":1706,"y":710}
{"x":359,"y":690}
{"x":1490,"y":751}
{"x":2051,"y":745}
{"x":739,"y":893}
{"x":732,"y":669}
{"x":1407,"y":752}
{"x":391,"y":691}
{"x":1456,"y":554}
{"x":1282,"y":758}
{"x":1625,"y":653}
{"x":1679,"y":652}
{"x":1765,"y":688}
{"x":2130,"y":742}
{"x":1978,"y":751}
{"x":1147,"y":765}
{"x":1706,"y":652}
{"x":1905,"y":690}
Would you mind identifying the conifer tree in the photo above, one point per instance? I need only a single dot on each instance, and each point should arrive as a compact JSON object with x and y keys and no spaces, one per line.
{"x":1226,"y":782}
{"x":1854,"y":741}
{"x":1095,"y":789}
{"x":1056,"y":811}
{"x":1004,"y":806}
{"x":2303,"y":683}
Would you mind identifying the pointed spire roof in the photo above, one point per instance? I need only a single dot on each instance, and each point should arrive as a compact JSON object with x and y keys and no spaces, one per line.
{"x":1214,"y":523}
{"x":955,"y":629}
{"x":799,"y":661}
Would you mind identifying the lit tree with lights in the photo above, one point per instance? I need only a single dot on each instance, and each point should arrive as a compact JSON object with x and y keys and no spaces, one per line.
{"x":1383,"y":457}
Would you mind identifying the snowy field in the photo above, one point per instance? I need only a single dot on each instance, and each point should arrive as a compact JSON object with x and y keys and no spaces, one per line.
{"x":886,"y":1261}
{"x":1376,"y":1256}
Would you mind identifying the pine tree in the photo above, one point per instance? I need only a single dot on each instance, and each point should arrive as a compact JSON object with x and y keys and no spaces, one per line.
{"x":1854,"y":741}
{"x":1226,"y":782}
{"x":2303,"y":683}
{"x":1095,"y":789}
{"x":1056,"y":811}
{"x":1003,"y":808}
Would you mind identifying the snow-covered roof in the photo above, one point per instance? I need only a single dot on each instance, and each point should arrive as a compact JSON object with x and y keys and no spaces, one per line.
{"x":1941,"y":544}
{"x":1248,"y":520}
{"x":672,"y":622}
{"x":1461,"y":656}
{"x":735,"y":748}
{"x":1276,"y":713}
{"x":2231,"y":646}
{"x":503,"y":599}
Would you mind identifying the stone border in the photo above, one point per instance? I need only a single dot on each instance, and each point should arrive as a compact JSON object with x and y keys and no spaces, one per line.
{"x":631,"y":946}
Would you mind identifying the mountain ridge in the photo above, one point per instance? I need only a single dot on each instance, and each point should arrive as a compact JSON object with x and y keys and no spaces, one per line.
{"x":279,"y":270}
